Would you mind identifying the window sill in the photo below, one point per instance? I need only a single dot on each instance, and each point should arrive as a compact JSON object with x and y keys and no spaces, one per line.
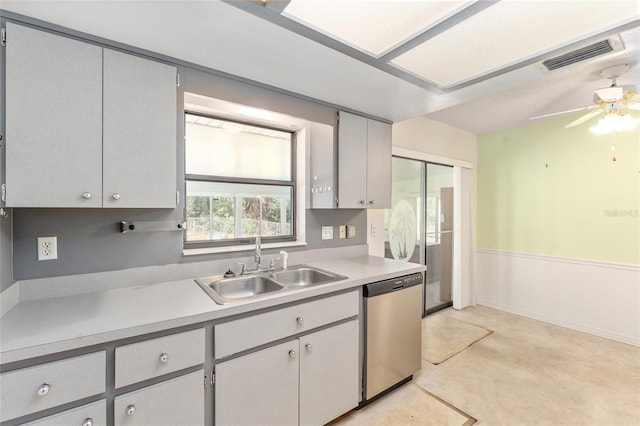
{"x":249,"y":247}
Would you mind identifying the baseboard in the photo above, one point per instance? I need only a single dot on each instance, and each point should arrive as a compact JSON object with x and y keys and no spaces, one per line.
{"x":594,"y":297}
{"x":573,"y":326}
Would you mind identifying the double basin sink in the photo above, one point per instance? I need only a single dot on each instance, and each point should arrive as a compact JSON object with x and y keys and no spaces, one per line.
{"x":228,"y":290}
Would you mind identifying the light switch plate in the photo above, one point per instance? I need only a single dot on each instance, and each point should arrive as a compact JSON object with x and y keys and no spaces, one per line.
{"x":342,"y":231}
{"x":327,"y":232}
{"x":351,"y":231}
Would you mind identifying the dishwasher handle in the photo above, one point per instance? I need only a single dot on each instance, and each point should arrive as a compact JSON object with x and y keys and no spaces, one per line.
{"x":391,"y":285}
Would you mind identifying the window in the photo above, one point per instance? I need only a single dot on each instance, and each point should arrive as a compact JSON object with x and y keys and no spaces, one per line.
{"x":240,"y":182}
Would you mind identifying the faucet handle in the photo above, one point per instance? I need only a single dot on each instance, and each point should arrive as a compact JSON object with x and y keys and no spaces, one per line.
{"x":272,"y":264}
{"x":243,"y":267}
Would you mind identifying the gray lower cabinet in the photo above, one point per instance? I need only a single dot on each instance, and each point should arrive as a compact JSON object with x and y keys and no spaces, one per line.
{"x":178,"y":401}
{"x":329,"y":373}
{"x":41,"y":387}
{"x":87,"y":126}
{"x":259,"y":389}
{"x":307,"y":381}
{"x":94,"y":414}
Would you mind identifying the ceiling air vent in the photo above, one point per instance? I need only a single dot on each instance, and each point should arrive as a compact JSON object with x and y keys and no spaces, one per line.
{"x":611,"y":44}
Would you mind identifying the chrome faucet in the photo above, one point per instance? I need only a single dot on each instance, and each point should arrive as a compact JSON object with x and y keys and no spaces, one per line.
{"x":256,"y":258}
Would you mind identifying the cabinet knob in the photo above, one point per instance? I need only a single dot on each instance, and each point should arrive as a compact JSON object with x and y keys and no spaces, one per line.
{"x":292,"y":354}
{"x":308,"y":347}
{"x":372,"y":202}
{"x":86,"y":195}
{"x":44,"y":389}
{"x":362,"y":202}
{"x":87,"y":422}
{"x":131,"y":410}
{"x":164,"y":357}
{"x":300,"y":320}
{"x":116,"y":196}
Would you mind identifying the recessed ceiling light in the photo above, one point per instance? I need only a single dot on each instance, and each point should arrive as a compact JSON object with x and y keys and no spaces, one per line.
{"x":509,"y":33}
{"x":373,"y":27}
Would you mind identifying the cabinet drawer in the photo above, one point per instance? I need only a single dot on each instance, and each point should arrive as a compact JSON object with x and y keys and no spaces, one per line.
{"x":155,"y":357}
{"x":47,"y":385}
{"x":94,"y":414}
{"x":179,"y":401}
{"x":245,"y":333}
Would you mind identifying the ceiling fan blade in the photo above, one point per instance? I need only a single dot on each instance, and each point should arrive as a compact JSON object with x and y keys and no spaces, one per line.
{"x":537,"y":117}
{"x":584,"y":118}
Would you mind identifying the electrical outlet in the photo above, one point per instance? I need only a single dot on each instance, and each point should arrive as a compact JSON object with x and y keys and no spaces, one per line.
{"x":374,"y":232}
{"x":351,"y":231}
{"x":342,"y":230}
{"x":47,"y":248}
{"x":327,"y":232}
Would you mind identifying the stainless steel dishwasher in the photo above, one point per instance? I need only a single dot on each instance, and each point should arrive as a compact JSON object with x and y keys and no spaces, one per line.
{"x":393,"y":333}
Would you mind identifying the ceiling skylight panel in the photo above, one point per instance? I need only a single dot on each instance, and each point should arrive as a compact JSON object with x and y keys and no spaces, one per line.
{"x":374,"y":27}
{"x":509,"y":33}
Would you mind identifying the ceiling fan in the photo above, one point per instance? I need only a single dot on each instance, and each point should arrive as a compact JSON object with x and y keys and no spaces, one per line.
{"x":612,"y":101}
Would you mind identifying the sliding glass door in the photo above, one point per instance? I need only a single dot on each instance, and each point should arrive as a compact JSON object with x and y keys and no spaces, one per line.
{"x":419,"y":225}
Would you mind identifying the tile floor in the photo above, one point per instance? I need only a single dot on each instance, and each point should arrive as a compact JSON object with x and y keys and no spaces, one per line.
{"x":525,"y":372}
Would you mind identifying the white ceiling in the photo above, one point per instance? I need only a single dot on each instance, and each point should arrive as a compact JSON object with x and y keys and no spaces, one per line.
{"x":474,"y":66}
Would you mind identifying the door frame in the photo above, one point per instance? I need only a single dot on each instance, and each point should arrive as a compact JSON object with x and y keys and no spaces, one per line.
{"x":464,"y":219}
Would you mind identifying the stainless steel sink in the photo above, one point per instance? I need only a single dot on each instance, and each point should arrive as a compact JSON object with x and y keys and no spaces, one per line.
{"x":304,"y":276}
{"x":227,"y":290}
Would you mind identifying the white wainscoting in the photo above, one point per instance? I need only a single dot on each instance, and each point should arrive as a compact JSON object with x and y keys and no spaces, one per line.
{"x":599,"y":298}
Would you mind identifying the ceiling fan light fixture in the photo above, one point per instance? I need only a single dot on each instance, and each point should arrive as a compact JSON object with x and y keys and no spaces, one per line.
{"x":614,"y":122}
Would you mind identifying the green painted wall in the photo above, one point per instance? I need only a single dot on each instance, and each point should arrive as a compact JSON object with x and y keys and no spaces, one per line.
{"x":548,"y":190}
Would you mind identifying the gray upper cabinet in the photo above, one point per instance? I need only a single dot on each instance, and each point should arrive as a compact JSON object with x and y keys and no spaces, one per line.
{"x":364,"y":163}
{"x":53,"y":120}
{"x":139,"y":153}
{"x":378,"y":165}
{"x":87,"y":126}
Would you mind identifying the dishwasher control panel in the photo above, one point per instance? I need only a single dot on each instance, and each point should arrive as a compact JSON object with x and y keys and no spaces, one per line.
{"x":392,"y":284}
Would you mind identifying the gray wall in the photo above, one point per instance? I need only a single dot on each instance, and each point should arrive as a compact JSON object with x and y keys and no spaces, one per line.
{"x":89,"y":240}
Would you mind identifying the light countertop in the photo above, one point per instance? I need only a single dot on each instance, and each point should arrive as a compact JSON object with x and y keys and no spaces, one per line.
{"x":41,"y":327}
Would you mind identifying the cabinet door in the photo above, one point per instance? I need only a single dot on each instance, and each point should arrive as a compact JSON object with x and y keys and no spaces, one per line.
{"x":178,"y":401}
{"x":259,"y":389}
{"x":94,"y":414}
{"x":54,"y":120}
{"x":352,"y":161}
{"x":140,"y":110}
{"x":329,"y":373}
{"x":378,"y":165}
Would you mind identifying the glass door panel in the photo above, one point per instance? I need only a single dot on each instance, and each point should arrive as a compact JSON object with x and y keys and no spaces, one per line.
{"x":418,"y":227}
{"x":439,"y":237}
{"x":404,"y":222}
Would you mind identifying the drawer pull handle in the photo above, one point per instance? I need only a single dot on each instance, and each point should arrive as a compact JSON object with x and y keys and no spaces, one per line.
{"x":116,"y":196}
{"x":88,"y":422}
{"x":300,"y":320}
{"x":131,"y":410}
{"x":86,"y":195}
{"x":44,"y":389}
{"x":164,"y":357}
{"x":292,"y":354}
{"x":308,"y":347}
